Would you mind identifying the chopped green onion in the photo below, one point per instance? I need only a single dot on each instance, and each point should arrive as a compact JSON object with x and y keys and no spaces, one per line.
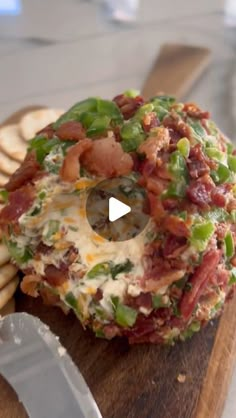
{"x":215,"y":154}
{"x":4,"y":195}
{"x":125,"y":267}
{"x":125,"y":316}
{"x":218,"y":215}
{"x":177,"y":165}
{"x":132,"y":135}
{"x":233,"y":215}
{"x":176,"y":190}
{"x":157,"y":302}
{"x":52,"y":229}
{"x":132,"y":93}
{"x":229,"y":245}
{"x":221,"y":175}
{"x":188,"y":333}
{"x":71,"y":300}
{"x":201,"y":234}
{"x":20,"y":255}
{"x":101,"y":269}
{"x":232,"y":279}
{"x":198,"y":131}
{"x":232,"y":163}
{"x":183,"y":146}
{"x":143,"y":110}
{"x":99,"y":126}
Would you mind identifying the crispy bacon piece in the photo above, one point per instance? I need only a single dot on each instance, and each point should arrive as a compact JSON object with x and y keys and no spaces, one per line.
{"x":218,"y":195}
{"x":71,"y":131}
{"x":174,"y":246}
{"x":176,"y":226}
{"x":177,"y":125}
{"x":107,"y":158}
{"x":199,"y":192}
{"x":143,"y":300}
{"x":197,"y":168}
{"x":193,"y":110}
{"x":158,"y":141}
{"x":154,"y":185}
{"x":199,"y":280}
{"x":156,"y":208}
{"x":170,"y":203}
{"x":128,"y":105}
{"x":71,"y":165}
{"x":19,"y":202}
{"x":30,"y":285}
{"x":49,"y":298}
{"x":150,"y":121}
{"x":24,"y":173}
{"x":166,"y":279}
{"x":47,"y":131}
{"x":56,"y":276}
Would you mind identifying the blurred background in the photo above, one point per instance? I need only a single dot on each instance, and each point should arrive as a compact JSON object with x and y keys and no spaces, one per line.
{"x":55,"y":52}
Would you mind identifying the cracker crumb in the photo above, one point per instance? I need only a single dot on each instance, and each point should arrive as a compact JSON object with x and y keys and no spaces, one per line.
{"x":181,"y":378}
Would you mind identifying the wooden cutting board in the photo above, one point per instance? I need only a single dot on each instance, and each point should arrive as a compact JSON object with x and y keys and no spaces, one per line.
{"x":141,"y":381}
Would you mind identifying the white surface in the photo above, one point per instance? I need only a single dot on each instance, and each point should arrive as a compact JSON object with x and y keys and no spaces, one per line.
{"x":117,"y":209}
{"x":60,"y":51}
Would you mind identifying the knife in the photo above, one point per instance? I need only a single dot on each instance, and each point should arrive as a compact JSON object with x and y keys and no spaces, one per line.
{"x":38,"y":367}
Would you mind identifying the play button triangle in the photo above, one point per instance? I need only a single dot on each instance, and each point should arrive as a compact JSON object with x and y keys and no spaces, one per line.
{"x":117,"y":209}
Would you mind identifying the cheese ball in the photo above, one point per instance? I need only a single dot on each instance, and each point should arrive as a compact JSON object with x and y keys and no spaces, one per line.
{"x":173,"y":277}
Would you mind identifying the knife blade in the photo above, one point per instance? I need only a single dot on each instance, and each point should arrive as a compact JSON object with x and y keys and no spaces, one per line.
{"x":38,"y":367}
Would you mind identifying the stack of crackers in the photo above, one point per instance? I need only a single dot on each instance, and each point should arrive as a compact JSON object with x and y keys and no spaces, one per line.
{"x":13,"y":147}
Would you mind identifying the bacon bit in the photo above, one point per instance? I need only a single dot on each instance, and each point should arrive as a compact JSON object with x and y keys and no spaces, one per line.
{"x":98,"y":295}
{"x":19,"y":202}
{"x":143,"y":300}
{"x":47,"y":131}
{"x":43,"y":249}
{"x":30,"y":285}
{"x":181,"y":378}
{"x":154,"y":285}
{"x":107,"y":158}
{"x":176,"y":226}
{"x":24,"y":173}
{"x":222,"y":277}
{"x":193,"y":110}
{"x":150,"y":121}
{"x":174,"y":246}
{"x":218,"y":195}
{"x":71,"y":166}
{"x":199,"y":280}
{"x":146,"y":168}
{"x":71,"y":255}
{"x":233,"y":261}
{"x":177,"y":125}
{"x":154,"y":186}
{"x":231,"y":205}
{"x":174,"y":138}
{"x":142,"y":331}
{"x":197,"y":168}
{"x":49,"y":298}
{"x":128,"y":105}
{"x":199,"y":192}
{"x":169,"y":204}
{"x":156,"y":208}
{"x":158,"y":140}
{"x":71,"y":131}
{"x":221,"y":230}
{"x":110,"y":331}
{"x":55,"y":276}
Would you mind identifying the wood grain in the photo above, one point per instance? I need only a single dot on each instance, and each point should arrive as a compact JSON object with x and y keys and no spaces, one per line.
{"x":176,"y":70}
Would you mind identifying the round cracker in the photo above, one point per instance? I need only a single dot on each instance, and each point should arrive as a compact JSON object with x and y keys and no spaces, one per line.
{"x":4,"y":255}
{"x":7,"y":273}
{"x":9,"y":308}
{"x":7,"y":166}
{"x":11,"y":142}
{"x":8,"y":291}
{"x":3,"y":179}
{"x":34,"y":121}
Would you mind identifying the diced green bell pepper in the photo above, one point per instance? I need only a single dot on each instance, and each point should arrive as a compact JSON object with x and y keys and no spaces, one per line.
{"x":176,"y":190}
{"x":71,"y":300}
{"x":125,"y":316}
{"x":142,"y":111}
{"x":125,"y":267}
{"x":183,"y":146}
{"x":229,"y":245}
{"x":201,"y":234}
{"x":98,"y":126}
{"x":20,"y":255}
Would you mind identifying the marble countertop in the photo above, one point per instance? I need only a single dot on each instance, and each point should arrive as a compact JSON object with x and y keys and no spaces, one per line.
{"x":57,"y":52}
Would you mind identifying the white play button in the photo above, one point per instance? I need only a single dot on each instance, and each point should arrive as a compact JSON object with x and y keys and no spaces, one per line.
{"x":117,"y":209}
